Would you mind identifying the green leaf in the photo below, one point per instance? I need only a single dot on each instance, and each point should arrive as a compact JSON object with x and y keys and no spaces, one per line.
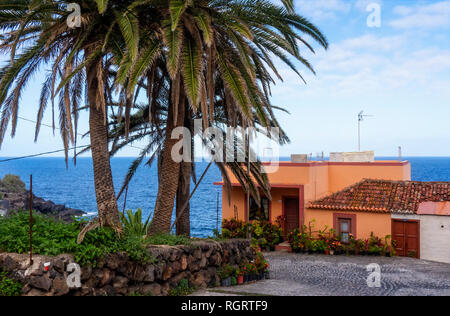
{"x":176,"y":8}
{"x":143,"y":63}
{"x":102,"y":5}
{"x":192,"y":63}
{"x":235,"y":83}
{"x":204,"y":24}
{"x":173,"y":41}
{"x":129,"y":26}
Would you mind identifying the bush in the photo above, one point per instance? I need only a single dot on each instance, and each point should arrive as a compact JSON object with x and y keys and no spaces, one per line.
{"x":266,"y":234}
{"x":52,"y":237}
{"x":182,"y":289}
{"x":303,"y":241}
{"x":13,"y":183}
{"x":9,"y":287}
{"x":233,"y":228}
{"x":167,"y":239}
{"x":133,"y":225}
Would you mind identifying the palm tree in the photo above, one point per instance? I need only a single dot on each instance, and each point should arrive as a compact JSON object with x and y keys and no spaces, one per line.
{"x":205,"y":41}
{"x":36,"y":35}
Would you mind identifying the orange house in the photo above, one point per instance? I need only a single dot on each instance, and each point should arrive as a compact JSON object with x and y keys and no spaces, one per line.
{"x":295,"y":185}
{"x":357,"y":198}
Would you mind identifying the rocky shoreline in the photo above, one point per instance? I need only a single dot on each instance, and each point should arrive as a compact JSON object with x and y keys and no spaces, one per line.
{"x":19,"y":200}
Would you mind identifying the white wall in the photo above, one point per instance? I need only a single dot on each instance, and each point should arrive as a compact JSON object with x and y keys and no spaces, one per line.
{"x":435,"y":238}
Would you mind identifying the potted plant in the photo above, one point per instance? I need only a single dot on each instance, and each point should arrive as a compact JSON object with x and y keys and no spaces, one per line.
{"x":240,"y":276}
{"x":225,"y":275}
{"x":251,"y":268}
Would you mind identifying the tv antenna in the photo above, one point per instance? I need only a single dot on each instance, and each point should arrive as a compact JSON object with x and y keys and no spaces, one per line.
{"x":361,"y":117}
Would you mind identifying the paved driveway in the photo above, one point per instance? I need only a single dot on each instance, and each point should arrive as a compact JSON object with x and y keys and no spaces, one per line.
{"x":299,"y":275}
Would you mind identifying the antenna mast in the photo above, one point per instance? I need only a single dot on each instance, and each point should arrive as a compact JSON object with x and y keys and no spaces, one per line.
{"x":361,"y":117}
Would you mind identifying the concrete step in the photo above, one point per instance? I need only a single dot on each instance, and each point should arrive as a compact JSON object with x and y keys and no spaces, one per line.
{"x":283,"y":247}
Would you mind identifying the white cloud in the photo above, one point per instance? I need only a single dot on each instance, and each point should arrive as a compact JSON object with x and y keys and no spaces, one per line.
{"x":323,"y":9}
{"x":430,"y":16}
{"x":373,"y":65}
{"x":362,"y":4}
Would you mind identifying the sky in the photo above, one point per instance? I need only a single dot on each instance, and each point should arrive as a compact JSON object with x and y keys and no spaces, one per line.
{"x":399,"y":73}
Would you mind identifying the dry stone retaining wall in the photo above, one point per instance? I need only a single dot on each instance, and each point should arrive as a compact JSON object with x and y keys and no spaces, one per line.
{"x":117,"y":274}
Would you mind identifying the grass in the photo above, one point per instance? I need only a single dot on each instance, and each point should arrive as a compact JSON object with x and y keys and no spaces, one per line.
{"x":9,"y":287}
{"x":52,"y":237}
{"x":167,"y":239}
{"x":183,"y":289}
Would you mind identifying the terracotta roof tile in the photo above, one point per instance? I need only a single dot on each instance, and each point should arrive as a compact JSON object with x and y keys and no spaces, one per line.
{"x":384,"y":196}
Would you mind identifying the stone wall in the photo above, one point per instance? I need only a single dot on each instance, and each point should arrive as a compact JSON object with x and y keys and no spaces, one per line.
{"x":119,"y":275}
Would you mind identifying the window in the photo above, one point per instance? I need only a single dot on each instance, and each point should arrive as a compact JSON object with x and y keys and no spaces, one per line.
{"x":344,"y":229}
{"x":259,"y":213}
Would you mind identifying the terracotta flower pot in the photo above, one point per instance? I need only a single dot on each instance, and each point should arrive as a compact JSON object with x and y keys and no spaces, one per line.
{"x":240,"y":279}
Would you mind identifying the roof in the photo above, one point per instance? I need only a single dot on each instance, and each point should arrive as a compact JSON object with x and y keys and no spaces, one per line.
{"x":384,"y":196}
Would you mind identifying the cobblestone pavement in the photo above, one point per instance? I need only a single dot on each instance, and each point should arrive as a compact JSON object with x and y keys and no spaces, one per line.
{"x":304,"y":275}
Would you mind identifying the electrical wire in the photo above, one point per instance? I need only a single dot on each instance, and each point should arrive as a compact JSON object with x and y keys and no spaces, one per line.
{"x":50,"y":152}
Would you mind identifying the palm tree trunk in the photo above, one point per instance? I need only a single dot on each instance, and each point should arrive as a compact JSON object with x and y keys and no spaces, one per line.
{"x":108,"y":212}
{"x":169,"y":175}
{"x":183,"y":193}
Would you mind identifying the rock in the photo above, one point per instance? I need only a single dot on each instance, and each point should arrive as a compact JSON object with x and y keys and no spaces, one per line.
{"x":120,"y":285}
{"x":107,"y":290}
{"x":36,"y":269}
{"x":198,"y":253}
{"x":176,"y":267}
{"x":184,"y":262}
{"x":116,"y":260}
{"x":154,"y":289}
{"x":149,"y":273}
{"x":167,"y":274}
{"x":41,"y":282}
{"x":9,"y":264}
{"x":26,"y":289}
{"x":105,"y":276}
{"x":203,"y":261}
{"x":58,"y":265}
{"x":159,"y":270}
{"x":215,"y":260}
{"x":84,"y":291}
{"x":175,"y":281}
{"x":86,"y":273}
{"x":18,"y":200}
{"x":198,"y":280}
{"x":165,"y":288}
{"x":36,"y":292}
{"x":60,"y":286}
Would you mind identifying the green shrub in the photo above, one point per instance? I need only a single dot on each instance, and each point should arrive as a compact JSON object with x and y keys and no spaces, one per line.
{"x":13,"y":183}
{"x":133,"y":225}
{"x":233,"y":228}
{"x":9,"y":287}
{"x":51,"y":237}
{"x":182,"y":289}
{"x":167,"y":239}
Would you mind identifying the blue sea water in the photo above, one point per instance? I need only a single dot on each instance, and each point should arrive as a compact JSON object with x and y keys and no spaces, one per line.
{"x":74,"y":186}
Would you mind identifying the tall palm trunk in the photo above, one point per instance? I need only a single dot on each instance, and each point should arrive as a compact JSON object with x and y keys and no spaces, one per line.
{"x":184,"y":185}
{"x":108,"y":212}
{"x":169,"y":174}
{"x":183,"y":192}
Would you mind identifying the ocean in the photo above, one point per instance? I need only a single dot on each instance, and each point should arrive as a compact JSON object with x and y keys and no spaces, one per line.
{"x":74,"y":186}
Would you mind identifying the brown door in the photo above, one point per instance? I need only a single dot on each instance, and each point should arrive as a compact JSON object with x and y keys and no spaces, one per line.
{"x":291,"y":212}
{"x":405,"y":234}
